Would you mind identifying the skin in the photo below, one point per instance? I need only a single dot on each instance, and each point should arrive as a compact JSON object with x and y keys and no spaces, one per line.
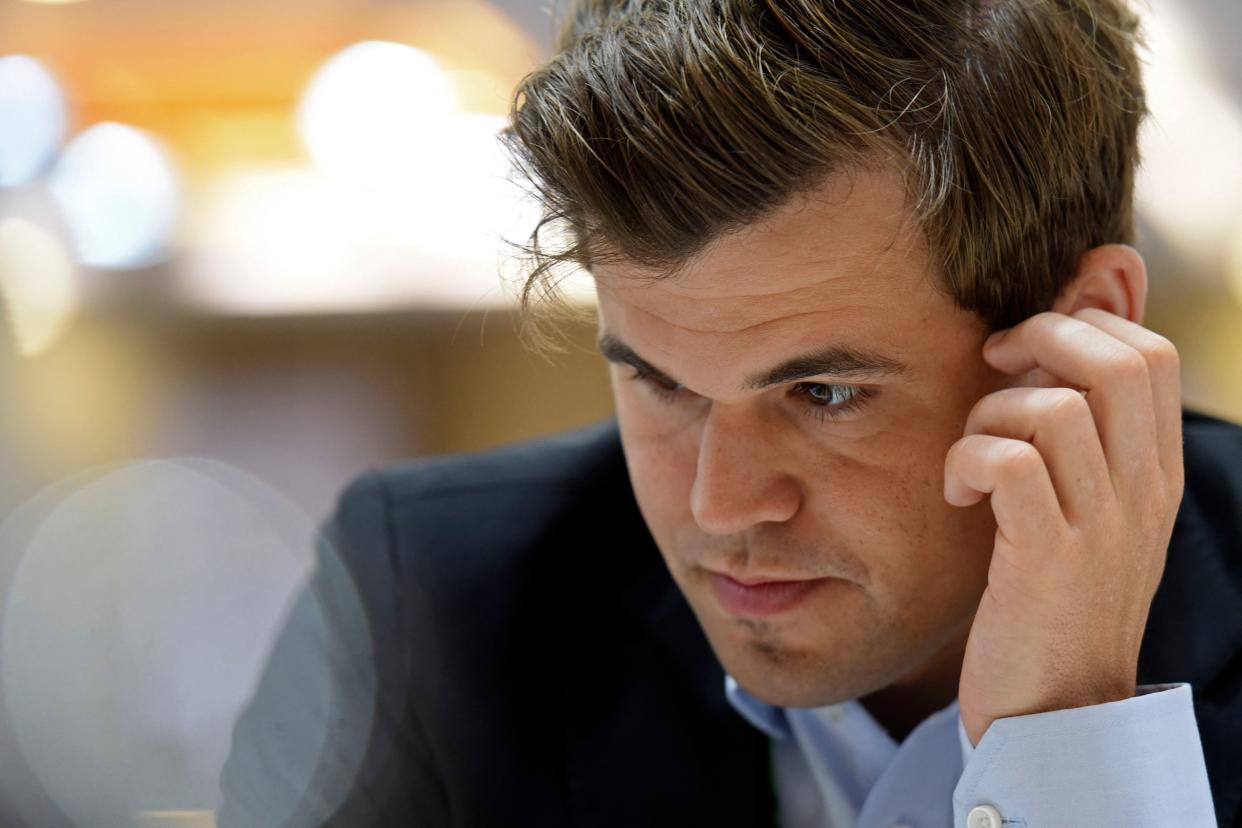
{"x":932,"y":502}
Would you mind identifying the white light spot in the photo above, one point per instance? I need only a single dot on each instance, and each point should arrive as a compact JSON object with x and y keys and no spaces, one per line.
{"x":375,"y":109}
{"x":118,"y":189}
{"x":32,"y":112}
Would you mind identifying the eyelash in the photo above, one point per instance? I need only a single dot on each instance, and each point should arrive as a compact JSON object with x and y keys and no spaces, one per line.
{"x":820,"y":411}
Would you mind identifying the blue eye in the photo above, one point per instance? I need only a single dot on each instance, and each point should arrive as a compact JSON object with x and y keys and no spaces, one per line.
{"x":821,"y":400}
{"x":829,"y":402}
{"x":825,"y":394}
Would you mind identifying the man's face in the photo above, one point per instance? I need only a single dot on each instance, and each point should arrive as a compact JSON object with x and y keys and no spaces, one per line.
{"x":810,"y":382}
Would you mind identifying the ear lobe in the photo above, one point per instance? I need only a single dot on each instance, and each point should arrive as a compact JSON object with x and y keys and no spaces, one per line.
{"x":1112,"y":277}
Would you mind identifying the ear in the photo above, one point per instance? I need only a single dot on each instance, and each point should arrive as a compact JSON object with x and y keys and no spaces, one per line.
{"x":1111,"y":277}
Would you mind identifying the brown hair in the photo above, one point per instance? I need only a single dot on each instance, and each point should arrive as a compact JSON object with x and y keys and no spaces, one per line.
{"x":662,"y":124}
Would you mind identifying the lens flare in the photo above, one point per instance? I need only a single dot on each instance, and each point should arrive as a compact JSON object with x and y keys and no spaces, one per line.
{"x":142,"y":606}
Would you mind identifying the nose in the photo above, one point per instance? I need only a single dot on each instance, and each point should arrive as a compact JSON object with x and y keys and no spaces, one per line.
{"x":738,"y":481}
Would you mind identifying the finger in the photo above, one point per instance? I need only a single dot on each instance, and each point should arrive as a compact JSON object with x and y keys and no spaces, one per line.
{"x":1058,"y":422}
{"x":1013,"y":473}
{"x":1084,"y":356}
{"x":1164,"y":373}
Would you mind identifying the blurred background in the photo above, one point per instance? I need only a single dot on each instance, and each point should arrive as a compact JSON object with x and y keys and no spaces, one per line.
{"x":250,"y":249}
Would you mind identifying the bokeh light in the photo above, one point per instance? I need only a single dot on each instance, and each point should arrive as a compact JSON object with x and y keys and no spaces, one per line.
{"x":142,"y":607}
{"x":428,"y":227}
{"x":374,"y":110}
{"x":32,"y":119}
{"x":284,"y":239}
{"x":118,"y":189}
{"x":1194,"y":136}
{"x":408,"y":202}
{"x":1233,"y":268}
{"x":38,"y":286}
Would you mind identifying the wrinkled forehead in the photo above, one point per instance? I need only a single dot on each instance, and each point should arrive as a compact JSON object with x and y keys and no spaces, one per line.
{"x":845,"y":262}
{"x":744,"y":304}
{"x":851,"y":235}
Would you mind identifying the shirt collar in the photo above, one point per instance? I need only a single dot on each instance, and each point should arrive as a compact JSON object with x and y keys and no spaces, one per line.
{"x":771,"y":720}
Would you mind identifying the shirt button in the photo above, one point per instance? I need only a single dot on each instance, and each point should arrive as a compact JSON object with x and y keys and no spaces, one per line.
{"x":983,"y":816}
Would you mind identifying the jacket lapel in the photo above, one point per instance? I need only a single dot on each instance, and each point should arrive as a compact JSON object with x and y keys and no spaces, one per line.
{"x":650,"y":737}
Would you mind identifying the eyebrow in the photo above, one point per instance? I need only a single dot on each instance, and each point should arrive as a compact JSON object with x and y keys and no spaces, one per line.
{"x":839,"y":361}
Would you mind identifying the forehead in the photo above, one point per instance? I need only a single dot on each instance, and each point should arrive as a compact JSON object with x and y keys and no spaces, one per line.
{"x":846,"y":262}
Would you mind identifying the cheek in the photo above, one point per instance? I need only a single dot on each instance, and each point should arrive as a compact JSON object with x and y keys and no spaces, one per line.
{"x":876,"y":507}
{"x":661,"y":466}
{"x":654,"y":477}
{"x":888,"y":507}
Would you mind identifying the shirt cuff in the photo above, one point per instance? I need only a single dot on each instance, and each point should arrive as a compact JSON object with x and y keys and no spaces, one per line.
{"x":1134,"y":762}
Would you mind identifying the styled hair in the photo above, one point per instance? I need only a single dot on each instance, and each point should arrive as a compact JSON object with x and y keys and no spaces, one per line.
{"x":660,"y":125}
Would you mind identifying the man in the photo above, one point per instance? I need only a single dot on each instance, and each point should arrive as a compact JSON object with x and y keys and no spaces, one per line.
{"x":901,"y":521}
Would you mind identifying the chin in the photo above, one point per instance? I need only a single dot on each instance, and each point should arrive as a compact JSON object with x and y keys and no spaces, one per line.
{"x":794,"y":689}
{"x":789,"y":677}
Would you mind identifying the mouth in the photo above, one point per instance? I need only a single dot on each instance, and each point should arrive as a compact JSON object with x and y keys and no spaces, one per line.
{"x":755,"y":596}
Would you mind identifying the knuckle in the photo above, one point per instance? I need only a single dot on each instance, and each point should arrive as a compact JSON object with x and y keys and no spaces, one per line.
{"x":1063,"y":404}
{"x":953,"y":456}
{"x":1127,"y":362}
{"x":1017,"y":458}
{"x":1163,"y":353}
{"x":987,"y":408}
{"x":971,"y":442}
{"x":1047,"y":319}
{"x":970,"y":450}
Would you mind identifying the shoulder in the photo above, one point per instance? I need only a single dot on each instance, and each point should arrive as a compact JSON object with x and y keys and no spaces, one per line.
{"x":546,"y":466}
{"x":437,"y":580}
{"x":446,"y":526}
{"x":507,"y":489}
{"x":557,"y":458}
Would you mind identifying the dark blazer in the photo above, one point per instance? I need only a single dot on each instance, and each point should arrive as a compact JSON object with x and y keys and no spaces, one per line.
{"x":508,"y":628}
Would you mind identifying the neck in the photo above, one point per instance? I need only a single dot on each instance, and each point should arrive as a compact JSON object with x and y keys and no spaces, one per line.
{"x":903,"y":705}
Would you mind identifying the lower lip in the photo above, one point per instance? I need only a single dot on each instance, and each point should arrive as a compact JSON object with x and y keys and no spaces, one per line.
{"x":763,"y":599}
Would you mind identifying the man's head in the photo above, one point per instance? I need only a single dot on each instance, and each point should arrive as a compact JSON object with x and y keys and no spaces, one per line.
{"x":803,"y":217}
